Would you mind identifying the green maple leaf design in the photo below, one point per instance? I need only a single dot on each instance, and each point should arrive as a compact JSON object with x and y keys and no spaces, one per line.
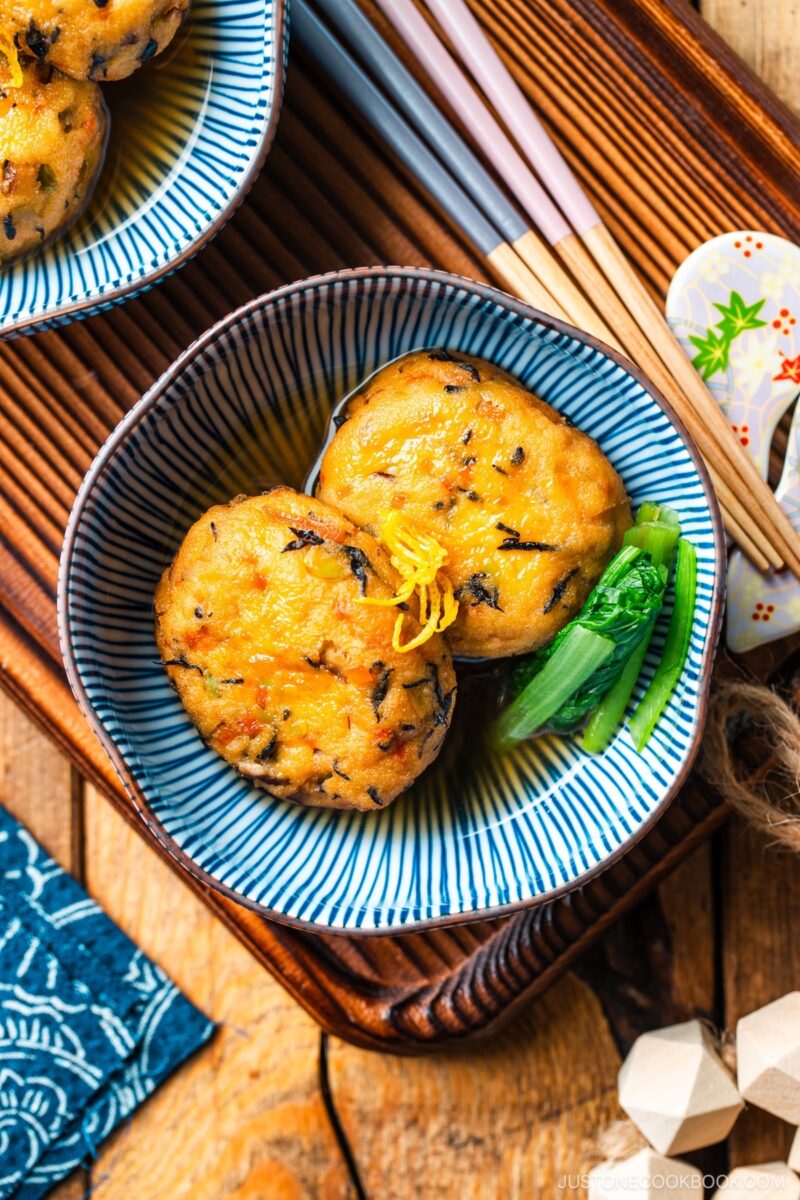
{"x":737,"y":317}
{"x":713,"y":353}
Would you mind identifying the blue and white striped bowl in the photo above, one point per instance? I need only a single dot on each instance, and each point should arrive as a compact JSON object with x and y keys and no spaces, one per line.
{"x":246,"y":407}
{"x":189,"y":133}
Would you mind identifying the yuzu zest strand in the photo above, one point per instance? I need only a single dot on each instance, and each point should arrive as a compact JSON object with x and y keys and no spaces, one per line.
{"x":419,"y":558}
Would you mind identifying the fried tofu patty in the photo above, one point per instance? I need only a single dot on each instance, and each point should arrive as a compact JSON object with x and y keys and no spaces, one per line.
{"x":96,"y":39}
{"x":527,"y":506}
{"x":282,"y":669}
{"x":52,"y":136}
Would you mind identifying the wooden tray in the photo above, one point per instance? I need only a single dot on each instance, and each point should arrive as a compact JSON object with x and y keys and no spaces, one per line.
{"x":675,"y":141}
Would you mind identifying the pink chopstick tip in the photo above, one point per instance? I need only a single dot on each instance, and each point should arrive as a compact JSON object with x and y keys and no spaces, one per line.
{"x":494,"y":78}
{"x":495,"y":144}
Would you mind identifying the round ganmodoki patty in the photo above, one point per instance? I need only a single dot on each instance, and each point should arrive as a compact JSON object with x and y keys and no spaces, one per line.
{"x":527,"y":506}
{"x":95,"y":39}
{"x":52,"y":137}
{"x":283,"y":671}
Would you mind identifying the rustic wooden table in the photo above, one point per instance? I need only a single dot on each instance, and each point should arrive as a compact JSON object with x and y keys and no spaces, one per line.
{"x":273,"y":1109}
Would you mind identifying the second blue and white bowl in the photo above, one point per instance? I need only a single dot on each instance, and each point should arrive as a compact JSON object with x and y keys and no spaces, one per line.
{"x":246,"y":407}
{"x":188,"y":134}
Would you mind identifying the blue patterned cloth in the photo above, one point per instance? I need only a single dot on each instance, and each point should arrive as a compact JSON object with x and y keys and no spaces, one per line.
{"x":89,"y":1027}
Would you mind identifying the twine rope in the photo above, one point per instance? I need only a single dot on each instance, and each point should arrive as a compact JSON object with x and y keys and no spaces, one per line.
{"x":768,"y":796}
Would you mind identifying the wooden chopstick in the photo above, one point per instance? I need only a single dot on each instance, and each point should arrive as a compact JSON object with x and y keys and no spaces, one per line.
{"x":637,"y":314}
{"x":431,"y":124}
{"x":398,"y":82}
{"x":501,"y":256}
{"x":506,"y":260}
{"x":739,"y":519}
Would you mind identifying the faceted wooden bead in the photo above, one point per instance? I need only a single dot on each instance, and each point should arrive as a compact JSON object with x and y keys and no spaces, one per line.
{"x":646,"y":1176}
{"x":768,"y":1057}
{"x":768,"y":1181}
{"x":676,"y":1089}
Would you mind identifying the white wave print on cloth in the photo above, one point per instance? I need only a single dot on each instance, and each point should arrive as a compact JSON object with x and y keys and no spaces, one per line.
{"x":88,"y":1026}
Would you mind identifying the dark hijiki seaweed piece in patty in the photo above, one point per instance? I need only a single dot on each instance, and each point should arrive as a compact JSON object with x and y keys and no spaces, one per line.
{"x":476,"y":591}
{"x":303,"y":538}
{"x":381,"y":687}
{"x":559,"y":589}
{"x":359,"y":565}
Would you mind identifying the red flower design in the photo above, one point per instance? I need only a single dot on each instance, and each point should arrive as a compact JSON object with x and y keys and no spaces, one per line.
{"x":790,"y":369}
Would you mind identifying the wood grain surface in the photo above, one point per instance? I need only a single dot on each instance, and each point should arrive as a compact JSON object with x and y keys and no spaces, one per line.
{"x":251,"y":1117}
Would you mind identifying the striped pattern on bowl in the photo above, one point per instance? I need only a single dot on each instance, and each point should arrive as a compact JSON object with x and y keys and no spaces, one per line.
{"x":188,"y":134}
{"x":247,"y":407}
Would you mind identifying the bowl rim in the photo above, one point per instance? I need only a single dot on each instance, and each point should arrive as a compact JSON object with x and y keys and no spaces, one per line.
{"x":141,"y":409}
{"x":90,"y":305}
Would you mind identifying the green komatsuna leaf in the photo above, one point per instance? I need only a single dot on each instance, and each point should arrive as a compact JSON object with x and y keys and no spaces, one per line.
{"x":713,"y":353}
{"x":621,"y":608}
{"x":737,"y":317}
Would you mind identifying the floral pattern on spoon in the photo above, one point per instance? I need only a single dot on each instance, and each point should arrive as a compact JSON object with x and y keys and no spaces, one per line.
{"x":734,"y":304}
